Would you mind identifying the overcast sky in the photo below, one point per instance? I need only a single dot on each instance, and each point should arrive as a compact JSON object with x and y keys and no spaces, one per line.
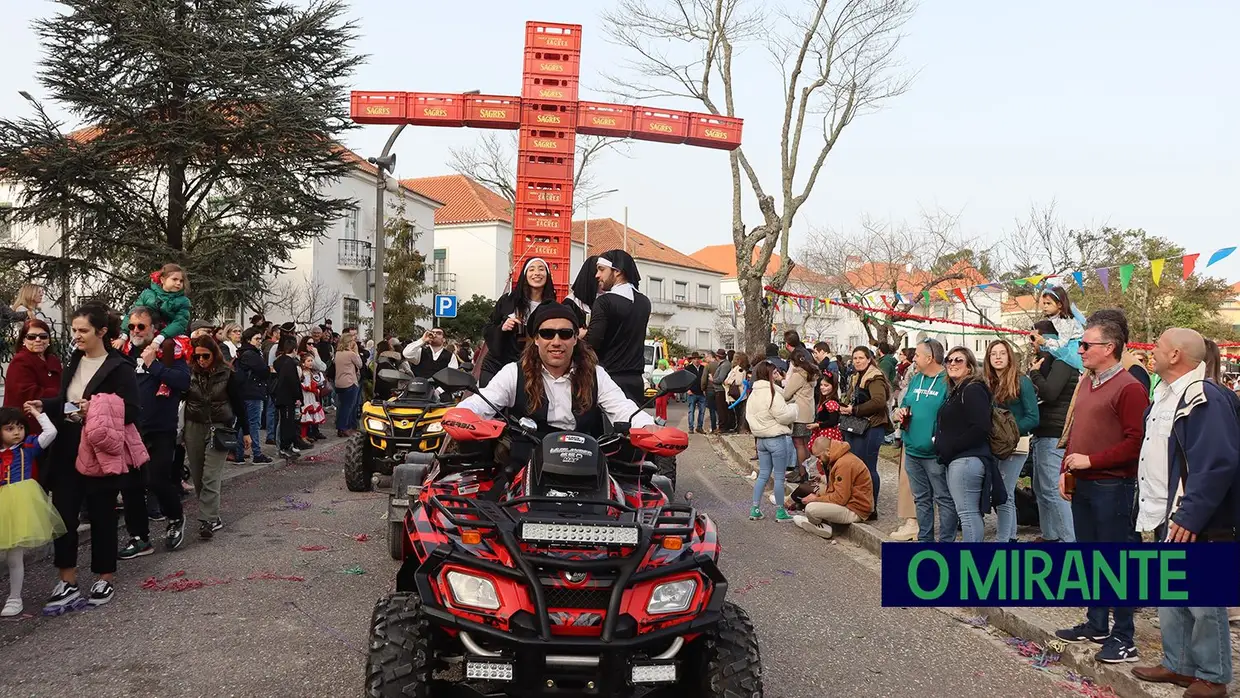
{"x":1117,"y":110}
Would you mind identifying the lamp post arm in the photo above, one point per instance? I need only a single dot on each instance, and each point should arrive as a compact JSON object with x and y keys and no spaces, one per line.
{"x":380,"y":236}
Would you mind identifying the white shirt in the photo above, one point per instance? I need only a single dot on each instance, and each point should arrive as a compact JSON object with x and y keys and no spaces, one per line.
{"x":502,"y":391}
{"x":1153,"y":466}
{"x":623,"y":290}
{"x":413,"y":352}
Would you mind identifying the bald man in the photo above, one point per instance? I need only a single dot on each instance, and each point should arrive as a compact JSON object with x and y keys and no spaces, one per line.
{"x":1190,"y":491}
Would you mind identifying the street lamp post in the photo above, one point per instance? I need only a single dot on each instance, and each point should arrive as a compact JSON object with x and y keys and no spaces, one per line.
{"x":597,"y":195}
{"x":386,"y":163}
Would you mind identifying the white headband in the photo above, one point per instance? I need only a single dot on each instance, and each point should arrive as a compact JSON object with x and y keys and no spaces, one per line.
{"x":602,"y":262}
{"x":526,"y":268}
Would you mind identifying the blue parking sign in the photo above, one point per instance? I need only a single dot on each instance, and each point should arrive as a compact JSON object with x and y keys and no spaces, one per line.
{"x":445,"y":306}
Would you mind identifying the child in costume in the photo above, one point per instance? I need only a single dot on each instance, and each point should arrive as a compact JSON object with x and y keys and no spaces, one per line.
{"x":312,"y":414}
{"x":1068,"y":321}
{"x":27,"y":517}
{"x":166,"y":294}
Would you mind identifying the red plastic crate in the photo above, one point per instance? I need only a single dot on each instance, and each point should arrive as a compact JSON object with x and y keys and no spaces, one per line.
{"x":540,"y":166}
{"x":545,"y":192}
{"x":377,"y":107}
{"x":710,"y":131}
{"x":547,"y":140}
{"x":557,"y":89}
{"x":544,"y":219}
{"x":550,"y":247}
{"x":552,"y":62}
{"x":435,"y":109}
{"x":552,"y":36}
{"x":602,"y":119}
{"x":663,"y":125}
{"x":490,"y":111}
{"x":555,"y":115}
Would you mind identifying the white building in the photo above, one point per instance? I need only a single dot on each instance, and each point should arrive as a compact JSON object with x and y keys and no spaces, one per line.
{"x":683,"y":292}
{"x":473,"y":236}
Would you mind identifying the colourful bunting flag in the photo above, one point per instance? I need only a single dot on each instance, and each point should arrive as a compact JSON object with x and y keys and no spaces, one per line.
{"x":1020,"y":282}
{"x":959,"y":294}
{"x":942,"y":294}
{"x":1220,"y":255}
{"x":1190,"y":261}
{"x":1104,"y":275}
{"x":1125,"y":276}
{"x":1156,"y":267}
{"x":1079,"y":278}
{"x":927,"y":295}
{"x":1036,"y":279}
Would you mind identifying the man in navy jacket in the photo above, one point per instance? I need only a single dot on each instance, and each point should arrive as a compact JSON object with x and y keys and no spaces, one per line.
{"x":1190,"y":485}
{"x":163,"y":377}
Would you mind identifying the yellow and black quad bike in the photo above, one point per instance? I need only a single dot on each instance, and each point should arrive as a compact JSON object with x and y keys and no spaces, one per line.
{"x":402,"y":418}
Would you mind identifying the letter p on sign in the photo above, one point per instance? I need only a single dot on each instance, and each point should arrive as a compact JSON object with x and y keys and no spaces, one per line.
{"x":445,"y":306}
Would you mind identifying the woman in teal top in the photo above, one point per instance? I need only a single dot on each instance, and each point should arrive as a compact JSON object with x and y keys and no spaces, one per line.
{"x":1014,"y":391}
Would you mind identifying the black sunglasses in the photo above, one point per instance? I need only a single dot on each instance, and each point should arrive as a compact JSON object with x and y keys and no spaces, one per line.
{"x":140,"y":326}
{"x":957,"y":360}
{"x":562,"y":333}
{"x":36,"y":337}
{"x":1087,"y":345}
{"x":201,"y":356}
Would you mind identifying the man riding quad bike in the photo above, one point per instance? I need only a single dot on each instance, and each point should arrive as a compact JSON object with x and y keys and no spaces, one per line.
{"x":543,"y":560}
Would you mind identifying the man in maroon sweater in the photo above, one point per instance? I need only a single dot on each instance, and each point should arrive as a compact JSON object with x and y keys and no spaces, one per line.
{"x":1104,"y":446}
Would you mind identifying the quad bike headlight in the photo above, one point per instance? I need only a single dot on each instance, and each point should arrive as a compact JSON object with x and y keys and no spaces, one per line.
{"x":434,"y":428}
{"x":378,"y":425}
{"x":672,"y":597}
{"x":474,"y":591}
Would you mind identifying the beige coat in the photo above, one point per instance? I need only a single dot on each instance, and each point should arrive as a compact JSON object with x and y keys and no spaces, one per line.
{"x":798,"y":389}
{"x":768,"y":414}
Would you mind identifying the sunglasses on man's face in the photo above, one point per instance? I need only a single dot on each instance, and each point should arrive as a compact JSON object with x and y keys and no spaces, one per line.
{"x":139,"y":327}
{"x":37,"y":337}
{"x":1086,"y":346}
{"x":562,"y":333}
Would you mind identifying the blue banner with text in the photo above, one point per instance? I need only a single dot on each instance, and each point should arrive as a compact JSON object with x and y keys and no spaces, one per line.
{"x":1061,"y":574}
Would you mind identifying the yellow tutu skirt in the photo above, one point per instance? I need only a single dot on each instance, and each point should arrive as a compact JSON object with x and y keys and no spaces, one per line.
{"x":27,"y":517}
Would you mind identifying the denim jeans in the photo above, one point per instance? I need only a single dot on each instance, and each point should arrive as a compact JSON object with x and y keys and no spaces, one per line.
{"x":964,"y":479}
{"x":273,"y":419}
{"x":866,"y":448}
{"x":775,"y":456}
{"x":346,"y":407}
{"x":1196,"y":642}
{"x":1054,"y":513}
{"x":1102,"y":513}
{"x":697,"y":408}
{"x":253,"y":416}
{"x":927,"y":478}
{"x":1010,"y":468}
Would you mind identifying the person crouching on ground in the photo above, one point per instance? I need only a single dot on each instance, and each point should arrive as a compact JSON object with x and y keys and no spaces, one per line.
{"x":770,"y":420}
{"x":846,"y":496}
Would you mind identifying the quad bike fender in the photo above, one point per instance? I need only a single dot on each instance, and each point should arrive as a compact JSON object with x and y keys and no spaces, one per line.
{"x":407,"y":480}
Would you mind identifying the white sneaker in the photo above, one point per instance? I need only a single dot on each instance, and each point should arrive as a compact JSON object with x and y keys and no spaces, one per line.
{"x":821,"y":530}
{"x":798,"y":519}
{"x":772,"y":498}
{"x":907,"y":531}
{"x":752,"y":476}
{"x":12,"y":607}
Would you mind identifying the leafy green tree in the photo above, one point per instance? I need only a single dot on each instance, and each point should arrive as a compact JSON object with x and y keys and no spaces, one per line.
{"x":407,"y":288}
{"x":675,"y":349}
{"x":471,"y":318}
{"x":210,"y":132}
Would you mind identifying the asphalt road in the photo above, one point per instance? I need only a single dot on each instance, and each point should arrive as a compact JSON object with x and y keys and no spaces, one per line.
{"x":816,"y":606}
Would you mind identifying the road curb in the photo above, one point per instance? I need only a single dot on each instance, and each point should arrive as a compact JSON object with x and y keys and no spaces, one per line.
{"x":1013,"y":621}
{"x":46,"y":552}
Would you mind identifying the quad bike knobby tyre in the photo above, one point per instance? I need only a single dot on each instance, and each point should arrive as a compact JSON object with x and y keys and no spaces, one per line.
{"x":356,"y":474}
{"x":396,"y":540}
{"x":401,"y":657}
{"x":667,"y":467}
{"x":727,"y":663}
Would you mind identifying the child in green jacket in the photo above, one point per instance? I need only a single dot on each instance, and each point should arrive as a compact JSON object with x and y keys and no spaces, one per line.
{"x":166,"y":295}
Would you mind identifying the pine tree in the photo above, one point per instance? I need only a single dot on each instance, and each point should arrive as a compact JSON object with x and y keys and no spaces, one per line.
{"x":208,"y":131}
{"x":406,"y":285}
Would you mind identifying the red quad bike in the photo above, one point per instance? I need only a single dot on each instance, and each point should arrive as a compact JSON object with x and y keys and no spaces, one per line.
{"x":554,"y":565}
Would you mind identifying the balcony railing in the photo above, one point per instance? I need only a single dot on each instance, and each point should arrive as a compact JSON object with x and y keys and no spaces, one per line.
{"x":445,"y":283}
{"x":355,"y":254}
{"x":662,"y":306}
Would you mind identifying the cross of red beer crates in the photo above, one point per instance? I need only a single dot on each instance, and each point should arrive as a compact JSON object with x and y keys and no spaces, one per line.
{"x":549,"y":117}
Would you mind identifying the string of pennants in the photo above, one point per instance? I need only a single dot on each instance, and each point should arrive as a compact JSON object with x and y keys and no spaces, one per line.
{"x":810,"y":305}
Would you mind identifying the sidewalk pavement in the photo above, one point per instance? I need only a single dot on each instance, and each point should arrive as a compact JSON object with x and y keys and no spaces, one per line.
{"x":1035,"y":624}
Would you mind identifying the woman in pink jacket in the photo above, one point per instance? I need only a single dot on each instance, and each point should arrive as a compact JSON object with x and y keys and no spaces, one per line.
{"x":98,"y":392}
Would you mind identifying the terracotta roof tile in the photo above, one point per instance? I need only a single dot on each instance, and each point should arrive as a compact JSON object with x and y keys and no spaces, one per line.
{"x":608,"y":234}
{"x":1018,"y":304}
{"x":723,"y":258}
{"x":465,"y":200}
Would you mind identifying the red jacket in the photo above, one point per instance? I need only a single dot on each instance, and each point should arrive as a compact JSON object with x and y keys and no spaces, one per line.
{"x":109,"y":445}
{"x":31,"y":378}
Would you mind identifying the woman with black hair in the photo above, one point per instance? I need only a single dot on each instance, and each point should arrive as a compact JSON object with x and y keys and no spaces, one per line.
{"x":583,"y":292}
{"x":286,"y":395}
{"x":94,"y":369}
{"x":505,"y":332}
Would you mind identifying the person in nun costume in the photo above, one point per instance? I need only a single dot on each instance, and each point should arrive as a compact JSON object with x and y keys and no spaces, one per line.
{"x":505,"y":332}
{"x":617,"y":330}
{"x":584,"y":291}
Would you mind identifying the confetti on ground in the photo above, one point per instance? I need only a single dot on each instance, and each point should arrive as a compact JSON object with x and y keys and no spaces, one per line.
{"x":355,"y":569}
{"x":1086,"y":686}
{"x":753,"y":585}
{"x":786,"y":573}
{"x":312,"y":548}
{"x":177,"y":581}
{"x":361,"y":538}
{"x":977,"y":621}
{"x":1039,"y":657}
{"x":291,"y":502}
{"x":329,"y":510}
{"x":328,"y":630}
{"x":272,"y":576}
